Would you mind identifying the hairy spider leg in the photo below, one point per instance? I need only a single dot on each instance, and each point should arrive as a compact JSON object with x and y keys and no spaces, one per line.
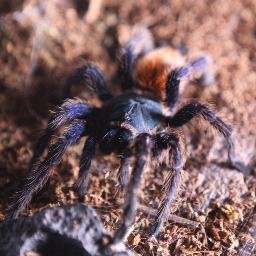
{"x":90,"y":75}
{"x":85,"y":163}
{"x":232,"y":157}
{"x":139,"y":44}
{"x":142,"y":148}
{"x":175,"y":76}
{"x":117,"y":139}
{"x":125,"y":163}
{"x":67,"y":112}
{"x":172,"y":181}
{"x":196,"y":109}
{"x":40,"y":174}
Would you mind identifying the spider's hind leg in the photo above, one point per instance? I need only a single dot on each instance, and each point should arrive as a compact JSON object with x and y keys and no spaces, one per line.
{"x":175,"y":76}
{"x":140,"y":43}
{"x":208,"y":77}
{"x":90,"y":75}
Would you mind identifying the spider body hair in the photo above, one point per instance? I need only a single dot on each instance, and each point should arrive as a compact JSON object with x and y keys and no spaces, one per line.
{"x":132,"y":125}
{"x":151,"y":70}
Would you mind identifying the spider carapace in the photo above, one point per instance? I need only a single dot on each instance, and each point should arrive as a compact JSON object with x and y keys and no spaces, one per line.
{"x":134,"y":125}
{"x":140,"y":113}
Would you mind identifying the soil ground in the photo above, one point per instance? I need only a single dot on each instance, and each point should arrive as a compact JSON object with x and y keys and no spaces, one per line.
{"x":42,"y":41}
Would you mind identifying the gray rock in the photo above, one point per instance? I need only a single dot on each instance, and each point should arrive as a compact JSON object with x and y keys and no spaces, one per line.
{"x":68,"y":230}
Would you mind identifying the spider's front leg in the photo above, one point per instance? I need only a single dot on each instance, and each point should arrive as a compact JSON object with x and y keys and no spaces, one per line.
{"x":125,"y":163}
{"x":142,"y":150}
{"x":139,"y":44}
{"x":117,"y":139}
{"x":90,"y":75}
{"x":175,"y":76}
{"x":40,"y":172}
{"x":171,"y":185}
{"x":196,"y":109}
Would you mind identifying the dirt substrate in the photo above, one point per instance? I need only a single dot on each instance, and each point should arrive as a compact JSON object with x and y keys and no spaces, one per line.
{"x":42,"y":41}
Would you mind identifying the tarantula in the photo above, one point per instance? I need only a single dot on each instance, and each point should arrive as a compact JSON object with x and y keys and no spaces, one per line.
{"x":133,"y":125}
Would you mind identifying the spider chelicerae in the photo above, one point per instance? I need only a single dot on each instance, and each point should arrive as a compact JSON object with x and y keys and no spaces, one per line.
{"x":137,"y":126}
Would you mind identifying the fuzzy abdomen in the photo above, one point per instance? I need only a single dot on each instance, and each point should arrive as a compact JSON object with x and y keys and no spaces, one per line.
{"x":151,"y":70}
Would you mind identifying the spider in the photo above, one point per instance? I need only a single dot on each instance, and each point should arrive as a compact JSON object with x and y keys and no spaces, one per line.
{"x":135,"y":125}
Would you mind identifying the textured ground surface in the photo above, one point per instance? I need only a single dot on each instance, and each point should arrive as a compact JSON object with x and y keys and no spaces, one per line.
{"x":42,"y":41}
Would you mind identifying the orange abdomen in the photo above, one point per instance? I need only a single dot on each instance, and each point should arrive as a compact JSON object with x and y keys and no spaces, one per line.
{"x":151,"y":70}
